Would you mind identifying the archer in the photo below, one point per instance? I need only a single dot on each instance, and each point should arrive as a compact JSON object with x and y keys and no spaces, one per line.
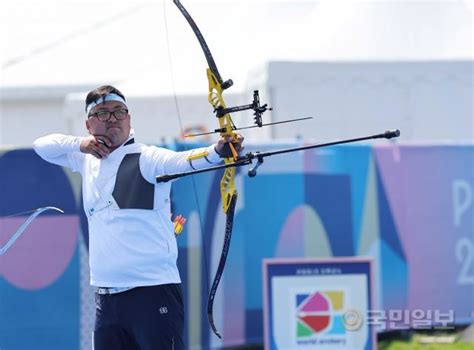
{"x":132,"y":247}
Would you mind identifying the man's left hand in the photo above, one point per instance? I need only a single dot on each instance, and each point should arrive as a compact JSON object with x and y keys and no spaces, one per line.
{"x":236,"y":142}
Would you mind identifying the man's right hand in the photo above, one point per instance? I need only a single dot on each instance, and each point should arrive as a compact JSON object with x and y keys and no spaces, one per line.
{"x":98,"y":146}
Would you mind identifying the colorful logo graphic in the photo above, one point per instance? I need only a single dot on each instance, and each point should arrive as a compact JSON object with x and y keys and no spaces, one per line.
{"x":320,"y":313}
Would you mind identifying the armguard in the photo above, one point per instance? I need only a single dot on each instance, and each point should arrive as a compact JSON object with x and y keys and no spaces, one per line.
{"x":199,"y":160}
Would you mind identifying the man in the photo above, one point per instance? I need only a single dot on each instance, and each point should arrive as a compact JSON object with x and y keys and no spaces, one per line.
{"x":132,"y":247}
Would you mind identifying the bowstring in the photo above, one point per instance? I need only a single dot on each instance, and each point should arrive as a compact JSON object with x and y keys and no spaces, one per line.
{"x":186,"y":146}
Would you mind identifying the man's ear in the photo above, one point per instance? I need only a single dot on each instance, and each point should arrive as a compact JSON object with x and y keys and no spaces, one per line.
{"x":88,"y":126}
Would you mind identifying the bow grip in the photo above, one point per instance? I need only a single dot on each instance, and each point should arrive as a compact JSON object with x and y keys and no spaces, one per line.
{"x":228,"y":151}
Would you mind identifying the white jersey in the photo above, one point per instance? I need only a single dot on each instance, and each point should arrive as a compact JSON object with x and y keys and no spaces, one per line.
{"x":131,"y":236}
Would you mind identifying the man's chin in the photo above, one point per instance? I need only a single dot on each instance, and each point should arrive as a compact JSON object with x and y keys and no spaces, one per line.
{"x":114,"y":133}
{"x":116,"y":138}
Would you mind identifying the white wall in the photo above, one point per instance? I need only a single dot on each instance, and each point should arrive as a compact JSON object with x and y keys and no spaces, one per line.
{"x":28,"y":112}
{"x":425,"y":100}
{"x":20,"y":125}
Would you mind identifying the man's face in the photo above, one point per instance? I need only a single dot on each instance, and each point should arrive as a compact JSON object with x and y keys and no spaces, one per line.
{"x":116,"y":131}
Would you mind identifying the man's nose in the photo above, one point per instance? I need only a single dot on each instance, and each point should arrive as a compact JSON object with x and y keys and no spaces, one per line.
{"x":112,"y":115}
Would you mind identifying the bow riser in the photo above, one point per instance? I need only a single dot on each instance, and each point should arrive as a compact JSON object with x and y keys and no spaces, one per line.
{"x":225,"y":121}
{"x":227,"y":186}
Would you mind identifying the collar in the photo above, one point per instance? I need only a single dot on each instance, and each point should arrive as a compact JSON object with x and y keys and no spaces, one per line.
{"x":129,"y":142}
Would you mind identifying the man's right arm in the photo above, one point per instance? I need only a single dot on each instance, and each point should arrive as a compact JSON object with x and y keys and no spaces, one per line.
{"x":61,"y":149}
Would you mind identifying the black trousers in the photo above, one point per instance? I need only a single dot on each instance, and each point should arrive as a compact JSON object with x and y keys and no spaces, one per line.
{"x":142,"y":318}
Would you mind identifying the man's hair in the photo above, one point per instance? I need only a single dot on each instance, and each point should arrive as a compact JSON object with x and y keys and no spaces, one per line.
{"x":101,"y":91}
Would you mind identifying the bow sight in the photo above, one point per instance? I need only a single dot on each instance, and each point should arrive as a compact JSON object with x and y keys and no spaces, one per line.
{"x":258,"y":111}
